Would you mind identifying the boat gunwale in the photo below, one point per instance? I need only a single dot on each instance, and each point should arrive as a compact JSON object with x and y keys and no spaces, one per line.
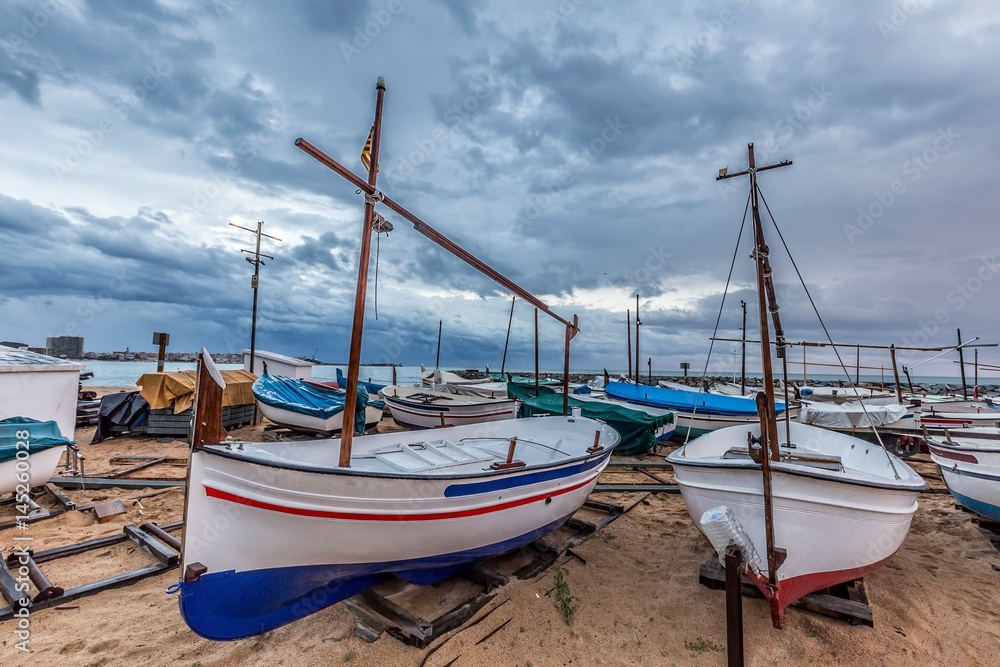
{"x":784,"y":468}
{"x":227,"y":453}
{"x":960,"y":447}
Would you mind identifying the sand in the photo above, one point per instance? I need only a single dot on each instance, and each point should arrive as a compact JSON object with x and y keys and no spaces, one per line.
{"x":637,"y":596}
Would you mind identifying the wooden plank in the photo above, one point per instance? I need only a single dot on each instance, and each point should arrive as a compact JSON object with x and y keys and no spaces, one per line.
{"x":857,"y":612}
{"x":109,"y":510}
{"x":415,"y":627}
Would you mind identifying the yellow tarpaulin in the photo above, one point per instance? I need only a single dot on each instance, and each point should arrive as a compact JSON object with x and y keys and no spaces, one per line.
{"x":163,"y":390}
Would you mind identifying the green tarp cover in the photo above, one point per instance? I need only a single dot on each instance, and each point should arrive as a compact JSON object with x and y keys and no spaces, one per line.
{"x":637,"y":429}
{"x":523,"y":392}
{"x":41,"y":436}
{"x":522,"y":379}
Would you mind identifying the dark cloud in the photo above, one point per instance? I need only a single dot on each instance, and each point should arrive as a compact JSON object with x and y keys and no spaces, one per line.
{"x":573,"y":146}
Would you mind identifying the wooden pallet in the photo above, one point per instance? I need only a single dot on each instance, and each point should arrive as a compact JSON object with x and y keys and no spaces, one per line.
{"x":847,"y":601}
{"x":402,"y":610}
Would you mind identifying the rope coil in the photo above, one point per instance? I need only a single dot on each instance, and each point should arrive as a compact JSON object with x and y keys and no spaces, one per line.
{"x":380,"y":225}
{"x":374,"y":197}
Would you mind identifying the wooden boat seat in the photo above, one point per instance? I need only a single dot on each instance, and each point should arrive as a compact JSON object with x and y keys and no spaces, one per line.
{"x":426,"y":398}
{"x":824,"y":461}
{"x":424,"y":456}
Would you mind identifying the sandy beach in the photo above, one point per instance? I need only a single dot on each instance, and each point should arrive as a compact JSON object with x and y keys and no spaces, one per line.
{"x":637,"y":595}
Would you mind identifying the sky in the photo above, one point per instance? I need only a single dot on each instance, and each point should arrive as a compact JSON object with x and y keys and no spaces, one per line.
{"x":571,"y":144}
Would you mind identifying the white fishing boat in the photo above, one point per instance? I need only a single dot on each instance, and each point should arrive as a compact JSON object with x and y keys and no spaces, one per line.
{"x":969,"y":460}
{"x":30,"y":451}
{"x":425,"y":408}
{"x":957,"y":415}
{"x":488,"y":389}
{"x":298,"y":421}
{"x":307,"y":406}
{"x":842,"y":506}
{"x":431,"y":376}
{"x":276,"y":531}
{"x":850,"y":416}
{"x":824,"y":507}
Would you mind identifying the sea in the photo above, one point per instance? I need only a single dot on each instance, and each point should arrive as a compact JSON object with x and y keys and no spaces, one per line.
{"x":125,"y":373}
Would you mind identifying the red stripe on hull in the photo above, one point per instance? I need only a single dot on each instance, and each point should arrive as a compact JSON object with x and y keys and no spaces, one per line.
{"x":360,"y":516}
{"x":949,"y":454}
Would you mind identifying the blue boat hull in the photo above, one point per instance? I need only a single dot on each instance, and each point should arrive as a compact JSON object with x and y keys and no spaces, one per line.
{"x":233,"y":605}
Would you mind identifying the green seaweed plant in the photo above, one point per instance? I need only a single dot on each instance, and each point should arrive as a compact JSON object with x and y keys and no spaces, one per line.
{"x":566,"y":604}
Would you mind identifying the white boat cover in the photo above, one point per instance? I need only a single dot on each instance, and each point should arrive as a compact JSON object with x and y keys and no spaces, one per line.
{"x":850,"y":415}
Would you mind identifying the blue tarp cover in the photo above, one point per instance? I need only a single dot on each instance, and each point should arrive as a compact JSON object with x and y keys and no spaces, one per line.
{"x":41,"y":436}
{"x":307,"y":399}
{"x":684,"y":401}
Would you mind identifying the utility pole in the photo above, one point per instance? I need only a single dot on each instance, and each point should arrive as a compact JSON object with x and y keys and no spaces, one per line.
{"x":256,"y":261}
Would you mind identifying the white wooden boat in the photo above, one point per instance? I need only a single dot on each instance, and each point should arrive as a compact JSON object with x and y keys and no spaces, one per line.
{"x":432,"y":376}
{"x":479,"y":390}
{"x":309,"y":423}
{"x":825,"y":507}
{"x":839,"y":509}
{"x":30,"y":451}
{"x":276,"y":531}
{"x":850,"y":416}
{"x":969,"y":460}
{"x":304,"y":405}
{"x":424,"y":408}
{"x":957,"y":415}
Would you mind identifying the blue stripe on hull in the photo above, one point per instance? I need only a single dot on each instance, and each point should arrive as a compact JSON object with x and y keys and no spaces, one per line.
{"x":514,"y":481}
{"x":231,"y":605}
{"x":979,"y":507}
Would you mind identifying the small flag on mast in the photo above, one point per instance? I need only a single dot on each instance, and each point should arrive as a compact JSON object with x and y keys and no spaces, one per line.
{"x":722,"y":172}
{"x":366,"y":152}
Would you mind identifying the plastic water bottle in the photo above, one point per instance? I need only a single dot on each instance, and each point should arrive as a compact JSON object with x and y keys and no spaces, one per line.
{"x":724,"y":530}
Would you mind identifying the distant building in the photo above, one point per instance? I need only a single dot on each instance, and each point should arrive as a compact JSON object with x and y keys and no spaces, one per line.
{"x":38,"y":350}
{"x":68,"y":347}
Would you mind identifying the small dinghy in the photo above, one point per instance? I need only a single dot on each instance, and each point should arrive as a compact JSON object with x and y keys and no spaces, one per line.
{"x":305,"y":406}
{"x":30,"y":451}
{"x":424,"y":408}
{"x":969,"y":460}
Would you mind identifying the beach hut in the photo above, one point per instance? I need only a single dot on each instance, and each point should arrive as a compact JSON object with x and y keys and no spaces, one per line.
{"x":38,"y":386}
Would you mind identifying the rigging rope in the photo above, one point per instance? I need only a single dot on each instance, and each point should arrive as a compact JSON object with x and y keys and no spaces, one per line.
{"x":828,"y":337}
{"x":711,"y":345}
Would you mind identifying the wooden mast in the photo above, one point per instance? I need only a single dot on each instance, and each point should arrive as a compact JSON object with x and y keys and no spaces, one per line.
{"x":770,"y":445}
{"x":765,"y":294}
{"x":354,"y":361}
